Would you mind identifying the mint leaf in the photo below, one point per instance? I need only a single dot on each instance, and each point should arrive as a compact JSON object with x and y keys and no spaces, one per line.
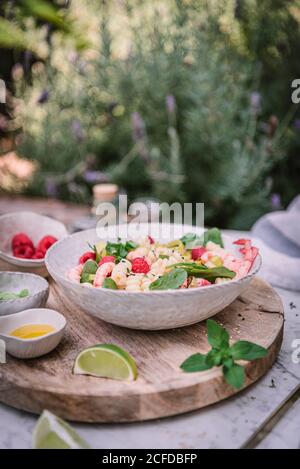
{"x":244,"y":350}
{"x":234,"y":375}
{"x":214,"y":357}
{"x":169,"y":281}
{"x":217,"y":336}
{"x":109,"y":283}
{"x":120,"y":250}
{"x":214,"y":235}
{"x":196,"y":362}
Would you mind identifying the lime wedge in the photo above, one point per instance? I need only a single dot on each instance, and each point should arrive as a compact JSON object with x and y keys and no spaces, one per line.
{"x":51,"y":432}
{"x":106,"y":361}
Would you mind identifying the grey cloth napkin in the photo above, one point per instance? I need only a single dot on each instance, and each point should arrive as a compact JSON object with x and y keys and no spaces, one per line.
{"x":277,"y":235}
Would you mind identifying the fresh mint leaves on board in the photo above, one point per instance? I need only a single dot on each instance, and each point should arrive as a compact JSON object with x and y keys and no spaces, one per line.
{"x":201,"y":271}
{"x":109,"y":283}
{"x":222,"y":354}
{"x":170,"y":281}
{"x":191,"y":240}
{"x":6,"y":296}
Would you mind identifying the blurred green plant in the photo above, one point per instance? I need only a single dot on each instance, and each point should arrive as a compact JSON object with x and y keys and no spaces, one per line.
{"x":171,"y":103}
{"x":20,"y":24}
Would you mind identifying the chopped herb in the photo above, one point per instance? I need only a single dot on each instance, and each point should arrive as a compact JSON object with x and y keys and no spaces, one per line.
{"x":6,"y":296}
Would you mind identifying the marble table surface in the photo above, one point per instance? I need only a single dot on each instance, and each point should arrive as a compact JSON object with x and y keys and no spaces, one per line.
{"x":265,"y":415}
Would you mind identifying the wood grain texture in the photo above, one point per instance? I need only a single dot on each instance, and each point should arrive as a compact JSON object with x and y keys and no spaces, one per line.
{"x":161,"y":389}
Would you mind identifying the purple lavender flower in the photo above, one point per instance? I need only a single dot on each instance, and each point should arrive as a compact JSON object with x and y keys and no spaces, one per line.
{"x":170,"y":104}
{"x":255,"y":102}
{"x":138,"y":126}
{"x":77,"y":130}
{"x":276,"y":201}
{"x":44,"y":96}
{"x":51,"y":187}
{"x":297,"y":124}
{"x":91,"y":176}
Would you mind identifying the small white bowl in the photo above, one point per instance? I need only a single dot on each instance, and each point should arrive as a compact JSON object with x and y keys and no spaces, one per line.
{"x":32,"y":348}
{"x":36,"y":227}
{"x":14,"y":282}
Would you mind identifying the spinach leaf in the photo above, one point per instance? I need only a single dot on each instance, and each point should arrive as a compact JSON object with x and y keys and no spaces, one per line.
{"x":201,"y":271}
{"x":170,"y":281}
{"x":109,"y":283}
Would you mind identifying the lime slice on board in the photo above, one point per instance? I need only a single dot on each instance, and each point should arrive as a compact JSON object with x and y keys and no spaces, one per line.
{"x":106,"y":361}
{"x":51,"y":432}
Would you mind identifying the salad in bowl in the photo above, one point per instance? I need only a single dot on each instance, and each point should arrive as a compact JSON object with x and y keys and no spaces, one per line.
{"x":148,"y":283}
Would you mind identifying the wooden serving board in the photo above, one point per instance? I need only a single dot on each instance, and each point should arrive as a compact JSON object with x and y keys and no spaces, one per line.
{"x":161,"y":389}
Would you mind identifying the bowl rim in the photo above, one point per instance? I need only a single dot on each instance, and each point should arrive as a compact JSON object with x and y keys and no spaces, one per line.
{"x":19,"y":300}
{"x":9,"y":258}
{"x":63,"y":278}
{"x":36,"y":339}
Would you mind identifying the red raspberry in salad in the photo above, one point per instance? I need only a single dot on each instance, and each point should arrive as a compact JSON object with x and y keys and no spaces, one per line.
{"x":38,"y":255}
{"x":21,"y":239}
{"x":90,"y":255}
{"x":198,"y":252}
{"x":106,"y":259}
{"x":45,"y":243}
{"x":140,"y":266}
{"x":23,"y":251}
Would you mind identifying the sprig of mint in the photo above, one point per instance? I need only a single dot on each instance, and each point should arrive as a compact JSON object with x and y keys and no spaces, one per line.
{"x":6,"y":296}
{"x":170,"y":281}
{"x":201,"y":271}
{"x":191,"y":240}
{"x":222,"y":354}
{"x":120,"y":250}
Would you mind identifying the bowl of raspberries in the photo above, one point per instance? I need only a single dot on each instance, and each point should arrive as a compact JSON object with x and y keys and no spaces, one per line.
{"x":25,"y":238}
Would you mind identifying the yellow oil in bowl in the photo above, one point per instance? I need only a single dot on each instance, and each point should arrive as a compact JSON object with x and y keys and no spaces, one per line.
{"x":32,"y":331}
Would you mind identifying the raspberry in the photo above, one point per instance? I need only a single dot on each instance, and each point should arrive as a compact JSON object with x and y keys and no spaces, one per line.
{"x":23,"y":251}
{"x":151,"y":240}
{"x":197,"y":252}
{"x":87,"y":256}
{"x":21,"y":239}
{"x":106,"y":259}
{"x":45,"y":243}
{"x":38,"y":255}
{"x":140,"y":266}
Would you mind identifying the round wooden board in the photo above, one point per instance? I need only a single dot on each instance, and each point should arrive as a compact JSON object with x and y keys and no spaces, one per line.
{"x":161,"y":389}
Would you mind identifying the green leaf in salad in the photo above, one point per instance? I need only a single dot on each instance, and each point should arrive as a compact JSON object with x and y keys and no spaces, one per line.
{"x":88,"y":272}
{"x":6,"y":296}
{"x":109,"y":283}
{"x":170,"y":281}
{"x":120,"y":250}
{"x":201,"y":271}
{"x":93,"y":247}
{"x":192,"y":240}
{"x":214,"y":235}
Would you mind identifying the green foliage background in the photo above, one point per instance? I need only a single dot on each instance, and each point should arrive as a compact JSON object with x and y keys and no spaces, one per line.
{"x":177,"y":100}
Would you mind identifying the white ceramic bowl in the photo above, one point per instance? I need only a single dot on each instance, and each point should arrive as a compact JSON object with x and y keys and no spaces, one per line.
{"x":36,"y":227}
{"x":32,"y":348}
{"x":14,"y":282}
{"x":141,"y":310}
